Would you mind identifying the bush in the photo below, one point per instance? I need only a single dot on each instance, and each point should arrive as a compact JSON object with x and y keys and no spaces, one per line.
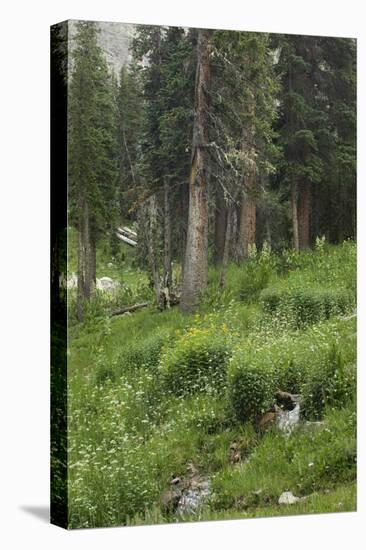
{"x":195,"y":362}
{"x":142,"y":354}
{"x":251,"y":387}
{"x":331,"y":382}
{"x":255,"y":278}
{"x":256,"y":274}
{"x":319,"y":364}
{"x":137,"y":355}
{"x":306,"y":306}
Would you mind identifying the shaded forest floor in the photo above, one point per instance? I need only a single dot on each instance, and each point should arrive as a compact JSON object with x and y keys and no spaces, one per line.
{"x":159,"y":401}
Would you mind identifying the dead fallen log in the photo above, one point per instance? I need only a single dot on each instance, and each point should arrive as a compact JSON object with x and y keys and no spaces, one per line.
{"x":126,"y":232}
{"x":129,"y":232}
{"x":174,"y":300}
{"x":129,"y":309}
{"x":125,"y":239}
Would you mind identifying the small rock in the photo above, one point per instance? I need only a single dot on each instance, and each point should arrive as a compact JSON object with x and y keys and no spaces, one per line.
{"x":194,"y":496}
{"x":287,"y":420}
{"x":106,"y":283}
{"x":175,"y":481}
{"x":192,"y":469}
{"x":72,"y":281}
{"x":288,"y":498}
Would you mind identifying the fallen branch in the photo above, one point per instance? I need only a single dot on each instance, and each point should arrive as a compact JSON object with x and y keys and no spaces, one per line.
{"x":128,"y":232}
{"x":125,"y":239}
{"x":128,"y":309}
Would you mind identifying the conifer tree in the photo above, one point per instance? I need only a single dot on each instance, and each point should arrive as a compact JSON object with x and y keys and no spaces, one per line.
{"x":92,"y":153}
{"x":246,"y":91}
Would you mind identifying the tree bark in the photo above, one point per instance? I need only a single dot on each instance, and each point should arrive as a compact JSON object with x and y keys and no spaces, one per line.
{"x":248,"y":216}
{"x":184,"y":228}
{"x":226,"y":251}
{"x":80,"y":274}
{"x":220,"y":225}
{"x":295,"y":221}
{"x":303,"y":210}
{"x":167,"y":279}
{"x":93,"y":262}
{"x":233,"y":253}
{"x":84,"y":287}
{"x":248,"y":206}
{"x":128,"y":309}
{"x":151,"y":245}
{"x":268,"y":230}
{"x":196,"y":257}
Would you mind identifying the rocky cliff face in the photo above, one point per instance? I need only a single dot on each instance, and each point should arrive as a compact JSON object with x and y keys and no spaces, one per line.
{"x":114,"y":39}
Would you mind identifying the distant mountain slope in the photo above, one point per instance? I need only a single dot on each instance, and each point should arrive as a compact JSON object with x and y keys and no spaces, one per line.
{"x":114,"y":39}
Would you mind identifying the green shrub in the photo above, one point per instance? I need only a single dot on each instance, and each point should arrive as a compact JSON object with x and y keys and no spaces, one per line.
{"x":134,"y":356}
{"x":330,"y":382}
{"x":254,"y":279}
{"x":195,"y":362}
{"x":251,"y":387}
{"x":256,"y":274}
{"x":270,"y":299}
{"x":319,"y":364}
{"x":142,"y":354}
{"x":305,"y":306}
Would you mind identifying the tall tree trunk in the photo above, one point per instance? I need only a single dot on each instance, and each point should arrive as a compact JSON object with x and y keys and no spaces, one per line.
{"x":84,"y":266}
{"x":303,"y":211}
{"x":184,"y":222}
{"x":93,"y":262}
{"x":248,"y":206}
{"x":247,"y":224}
{"x":220,"y":225}
{"x":316,"y":208}
{"x":167,"y":280}
{"x":233,"y":252}
{"x":295,"y":221}
{"x":226,"y":251}
{"x":151,"y":246}
{"x":80,"y":274}
{"x":196,"y":258}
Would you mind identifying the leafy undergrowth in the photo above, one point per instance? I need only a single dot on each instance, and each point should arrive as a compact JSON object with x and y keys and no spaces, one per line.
{"x":151,"y":394}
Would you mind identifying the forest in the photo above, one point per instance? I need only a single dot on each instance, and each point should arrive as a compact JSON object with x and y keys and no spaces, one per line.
{"x":210,"y":282}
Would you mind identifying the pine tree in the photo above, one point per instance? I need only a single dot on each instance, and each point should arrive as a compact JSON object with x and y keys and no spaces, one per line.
{"x":166,"y":76}
{"x":336,"y":204}
{"x":245,"y":93}
{"x":129,"y":118}
{"x":92,"y":153}
{"x":302,"y":122}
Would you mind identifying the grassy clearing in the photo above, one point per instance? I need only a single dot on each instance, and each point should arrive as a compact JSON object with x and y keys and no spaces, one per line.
{"x":135,"y":421}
